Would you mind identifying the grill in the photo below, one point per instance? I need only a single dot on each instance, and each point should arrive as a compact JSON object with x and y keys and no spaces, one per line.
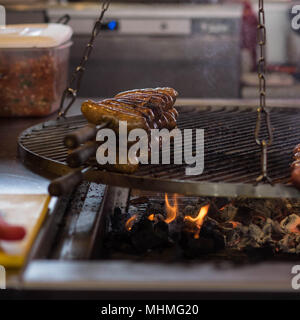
{"x":69,"y":251}
{"x":232,"y":159}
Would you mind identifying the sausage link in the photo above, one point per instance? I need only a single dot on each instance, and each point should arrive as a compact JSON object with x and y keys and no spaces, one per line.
{"x":99,"y":113}
{"x":158,"y":92}
{"x":295,"y":174}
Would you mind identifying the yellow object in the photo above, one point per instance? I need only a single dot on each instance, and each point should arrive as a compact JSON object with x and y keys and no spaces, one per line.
{"x":28,"y":211}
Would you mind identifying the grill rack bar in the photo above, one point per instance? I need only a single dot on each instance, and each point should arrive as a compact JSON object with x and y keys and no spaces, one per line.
{"x":231,"y":156}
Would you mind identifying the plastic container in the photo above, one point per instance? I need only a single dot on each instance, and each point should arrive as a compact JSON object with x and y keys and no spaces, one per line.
{"x":34,"y":63}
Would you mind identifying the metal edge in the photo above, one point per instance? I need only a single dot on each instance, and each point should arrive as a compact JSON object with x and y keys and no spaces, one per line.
{"x":213,"y":189}
{"x":127,"y":276}
{"x":43,"y":166}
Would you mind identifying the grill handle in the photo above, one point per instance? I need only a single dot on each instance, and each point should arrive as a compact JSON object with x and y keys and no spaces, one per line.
{"x":66,"y":184}
{"x":79,"y":156}
{"x":80,"y":136}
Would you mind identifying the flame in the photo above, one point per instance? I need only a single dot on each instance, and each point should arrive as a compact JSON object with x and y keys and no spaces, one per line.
{"x":234,"y":224}
{"x":293,"y":227}
{"x":129,"y":223}
{"x":171,"y":210}
{"x":151,"y":217}
{"x":198,"y":221}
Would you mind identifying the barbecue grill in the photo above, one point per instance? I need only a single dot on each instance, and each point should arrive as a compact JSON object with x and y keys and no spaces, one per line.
{"x":231,"y":156}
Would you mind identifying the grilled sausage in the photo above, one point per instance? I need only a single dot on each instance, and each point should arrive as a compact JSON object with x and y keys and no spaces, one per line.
{"x":165,"y":90}
{"x":171,"y":121}
{"x":155,"y":102}
{"x":141,"y":108}
{"x":168,"y":95}
{"x":98,"y":113}
{"x":128,"y":106}
{"x":174,"y":112}
{"x":296,"y":149}
{"x":122,"y":168}
{"x":164,"y":118}
{"x":170,"y":91}
{"x":295,"y":175}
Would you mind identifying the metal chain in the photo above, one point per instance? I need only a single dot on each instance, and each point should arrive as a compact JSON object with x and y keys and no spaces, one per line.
{"x":262,"y":112}
{"x":70,"y":93}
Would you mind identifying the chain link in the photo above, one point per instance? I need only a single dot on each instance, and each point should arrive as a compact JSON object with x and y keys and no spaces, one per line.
{"x":262,"y":112}
{"x":70,"y":93}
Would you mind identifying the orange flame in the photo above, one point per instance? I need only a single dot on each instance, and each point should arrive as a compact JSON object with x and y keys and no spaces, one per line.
{"x":171,"y":210}
{"x":234,"y":224}
{"x":129,"y":223}
{"x":294,"y":227}
{"x":151,"y":217}
{"x":198,"y":221}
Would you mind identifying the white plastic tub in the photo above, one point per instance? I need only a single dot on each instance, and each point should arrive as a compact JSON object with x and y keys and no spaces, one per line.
{"x":33,"y":68}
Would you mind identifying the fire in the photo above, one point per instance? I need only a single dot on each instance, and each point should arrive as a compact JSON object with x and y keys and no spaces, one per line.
{"x":151,"y":217}
{"x":171,"y":210}
{"x":234,"y":224}
{"x":198,"y":221}
{"x":291,"y":223}
{"x":129,"y":223}
{"x":294,"y":227}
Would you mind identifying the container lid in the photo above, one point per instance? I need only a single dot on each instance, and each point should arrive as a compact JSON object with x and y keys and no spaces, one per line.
{"x":34,"y":35}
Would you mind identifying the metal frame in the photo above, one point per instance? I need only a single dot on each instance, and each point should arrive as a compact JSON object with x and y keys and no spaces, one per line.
{"x":212,"y":189}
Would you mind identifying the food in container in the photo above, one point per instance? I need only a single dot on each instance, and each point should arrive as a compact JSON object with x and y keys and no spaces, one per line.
{"x":33,"y":68}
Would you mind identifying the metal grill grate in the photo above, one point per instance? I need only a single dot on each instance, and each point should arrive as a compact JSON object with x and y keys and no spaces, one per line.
{"x":231,"y":156}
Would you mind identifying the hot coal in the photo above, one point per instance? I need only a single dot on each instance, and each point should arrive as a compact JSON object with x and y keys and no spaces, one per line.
{"x":239,"y":228}
{"x":146,"y":235}
{"x":210,"y":240}
{"x":118,"y":220}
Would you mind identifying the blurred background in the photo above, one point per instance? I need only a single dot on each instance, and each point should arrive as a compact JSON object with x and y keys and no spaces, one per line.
{"x":205,"y":49}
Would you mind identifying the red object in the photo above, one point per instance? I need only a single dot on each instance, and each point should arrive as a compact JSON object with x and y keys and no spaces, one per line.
{"x":291,"y":69}
{"x":295,"y":177}
{"x":249,"y":32}
{"x":11,"y":232}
